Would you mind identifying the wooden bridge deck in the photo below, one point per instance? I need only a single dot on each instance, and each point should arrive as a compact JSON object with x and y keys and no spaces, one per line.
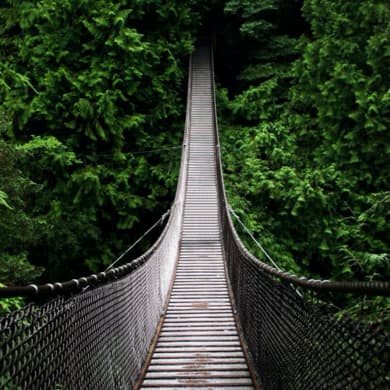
{"x":199,"y":346}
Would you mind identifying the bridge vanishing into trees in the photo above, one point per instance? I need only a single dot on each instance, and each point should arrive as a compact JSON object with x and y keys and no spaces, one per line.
{"x":197,"y":310}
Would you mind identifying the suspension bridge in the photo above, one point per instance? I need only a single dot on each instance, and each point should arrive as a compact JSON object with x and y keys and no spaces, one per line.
{"x":197,"y":310}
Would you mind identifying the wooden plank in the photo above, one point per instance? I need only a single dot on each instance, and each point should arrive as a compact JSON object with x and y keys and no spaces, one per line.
{"x":195,"y":328}
{"x":203,"y":316}
{"x":214,"y":374}
{"x":201,"y":277}
{"x":208,"y":332}
{"x":218,"y":273}
{"x":200,"y":305}
{"x":205,"y":338}
{"x":188,"y":360}
{"x":201,"y":261}
{"x":178,"y":302}
{"x":200,"y":321}
{"x":202,"y":297}
{"x":198,"y":367}
{"x":227,"y":382}
{"x":221,"y":285}
{"x":204,"y":286}
{"x":196,"y":311}
{"x":199,"y":355}
{"x":188,"y":343}
{"x":195,"y":349}
{"x":200,"y":289}
{"x":201,"y":294}
{"x":200,"y":387}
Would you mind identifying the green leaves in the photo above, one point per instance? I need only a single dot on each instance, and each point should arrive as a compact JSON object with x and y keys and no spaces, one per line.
{"x":20,"y":230}
{"x":305,"y":138}
{"x":84,"y":109}
{"x":16,"y":269}
{"x":87,"y":83}
{"x":8,"y":305}
{"x":3,"y":200}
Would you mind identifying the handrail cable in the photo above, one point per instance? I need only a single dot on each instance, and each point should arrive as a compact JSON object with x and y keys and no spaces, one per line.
{"x":266,"y":254}
{"x":158,"y":222}
{"x":110,"y":273}
{"x":175,"y":213}
{"x":374,"y":287}
{"x":147,"y":151}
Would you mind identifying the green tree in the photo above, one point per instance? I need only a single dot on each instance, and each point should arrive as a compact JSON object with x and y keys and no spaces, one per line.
{"x":20,"y":231}
{"x":312,"y":158}
{"x":91,"y":88}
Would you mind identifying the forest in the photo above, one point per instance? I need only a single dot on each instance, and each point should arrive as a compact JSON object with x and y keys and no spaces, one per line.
{"x":92,"y":110}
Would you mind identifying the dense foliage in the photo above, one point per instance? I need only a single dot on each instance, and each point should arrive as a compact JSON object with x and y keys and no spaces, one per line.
{"x":91,"y":89}
{"x":19,"y":230}
{"x":307,"y":136}
{"x":92,"y":110}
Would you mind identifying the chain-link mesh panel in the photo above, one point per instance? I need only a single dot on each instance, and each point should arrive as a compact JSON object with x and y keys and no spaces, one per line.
{"x":299,"y":345}
{"x":97,"y":339}
{"x":296,"y":344}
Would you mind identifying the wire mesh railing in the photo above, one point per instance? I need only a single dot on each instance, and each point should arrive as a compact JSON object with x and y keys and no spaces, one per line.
{"x":93,"y":332}
{"x":96,"y":339}
{"x":295,"y":343}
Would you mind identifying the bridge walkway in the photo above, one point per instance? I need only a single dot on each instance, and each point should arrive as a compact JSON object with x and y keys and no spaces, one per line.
{"x":199,"y":345}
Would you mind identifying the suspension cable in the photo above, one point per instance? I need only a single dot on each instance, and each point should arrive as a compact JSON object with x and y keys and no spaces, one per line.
{"x":158,"y":222}
{"x":147,"y":151}
{"x":253,"y":238}
{"x":266,"y":254}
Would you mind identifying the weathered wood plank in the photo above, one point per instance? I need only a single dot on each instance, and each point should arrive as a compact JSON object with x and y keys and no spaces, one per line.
{"x":198,"y":344}
{"x":196,"y":349}
{"x":193,"y":366}
{"x":205,"y":333}
{"x":199,"y":354}
{"x":205,"y":374}
{"x":207,"y":338}
{"x":198,"y":381}
{"x":189,"y":360}
{"x":204,"y":387}
{"x":200,"y":387}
